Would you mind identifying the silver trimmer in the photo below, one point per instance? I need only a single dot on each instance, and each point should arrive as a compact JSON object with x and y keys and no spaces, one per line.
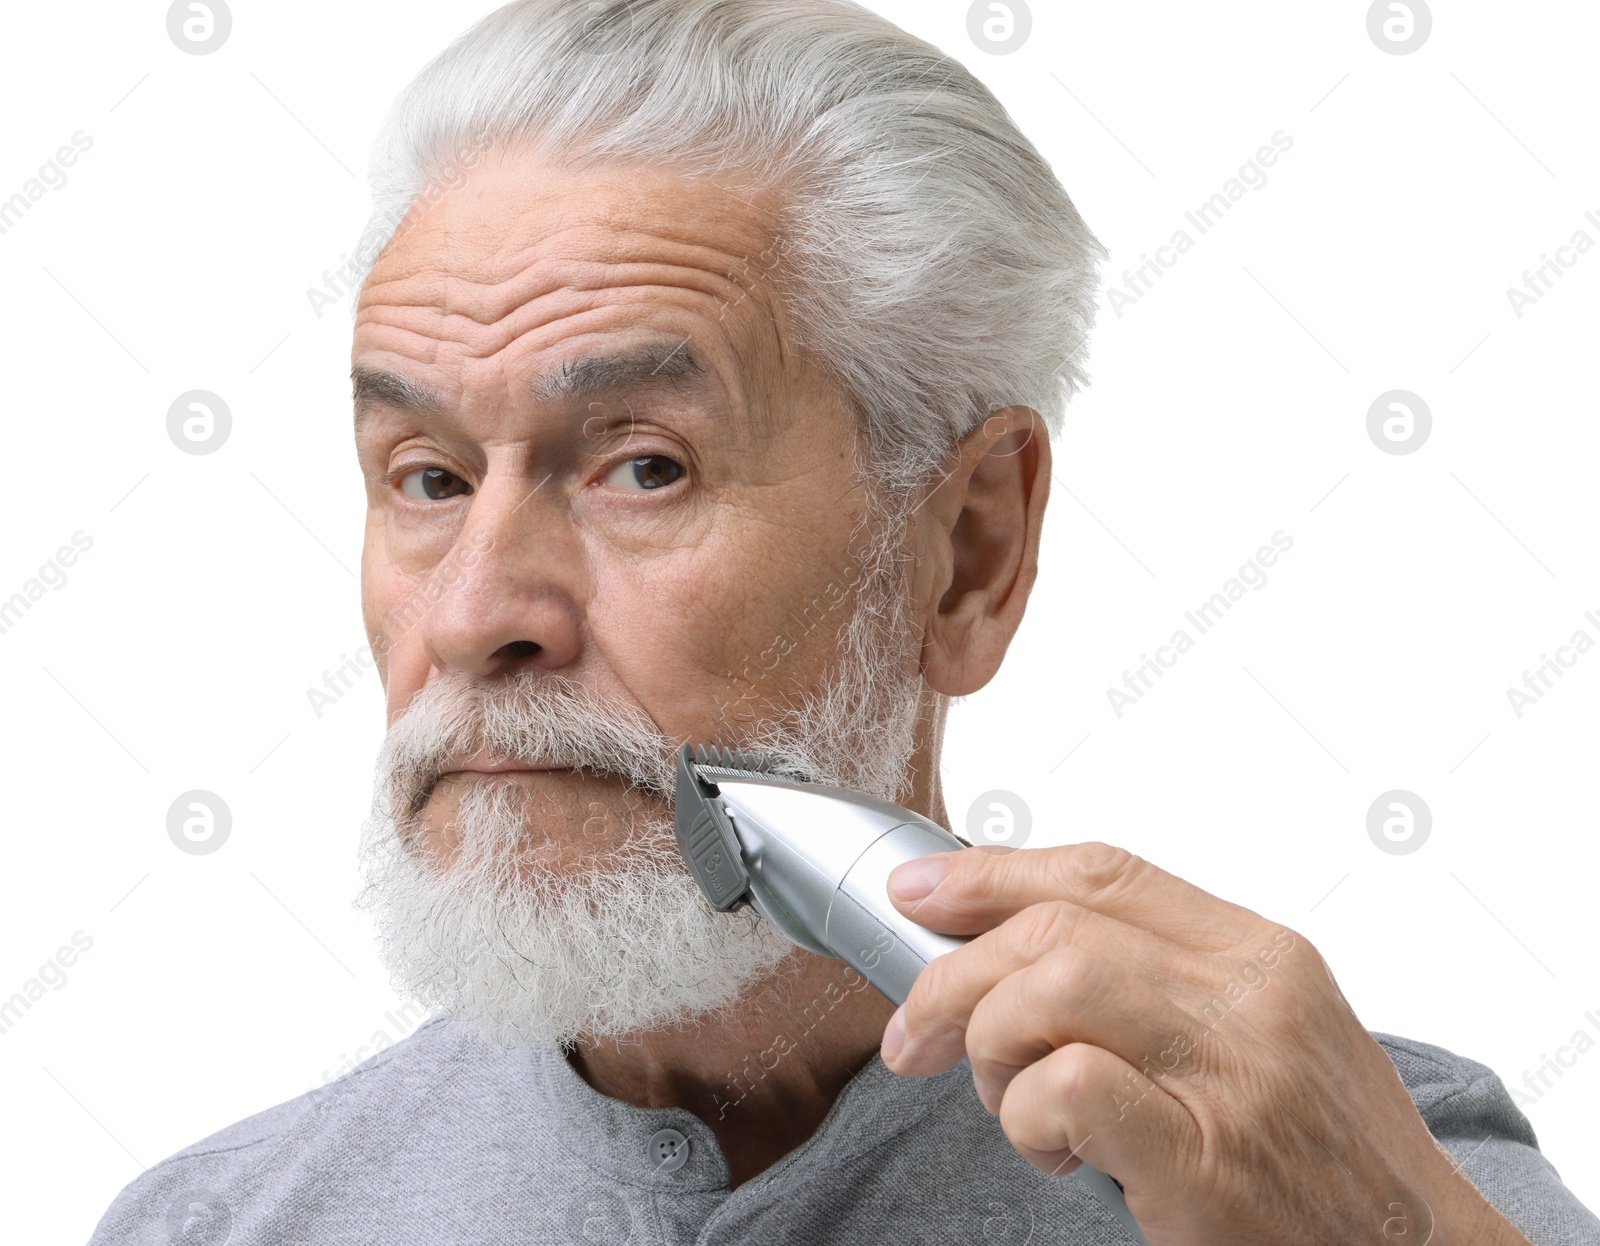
{"x":815,"y":860}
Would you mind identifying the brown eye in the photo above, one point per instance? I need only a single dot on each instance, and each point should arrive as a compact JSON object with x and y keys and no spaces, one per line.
{"x":650,"y":472}
{"x":433,"y":484}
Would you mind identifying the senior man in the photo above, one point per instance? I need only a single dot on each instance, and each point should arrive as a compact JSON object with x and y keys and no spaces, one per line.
{"x":703,"y":389}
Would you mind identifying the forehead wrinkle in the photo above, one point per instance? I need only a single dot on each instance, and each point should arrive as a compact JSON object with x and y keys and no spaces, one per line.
{"x":486,"y":303}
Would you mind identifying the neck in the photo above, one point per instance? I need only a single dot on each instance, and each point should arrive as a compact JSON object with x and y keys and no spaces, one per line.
{"x":763,"y":1078}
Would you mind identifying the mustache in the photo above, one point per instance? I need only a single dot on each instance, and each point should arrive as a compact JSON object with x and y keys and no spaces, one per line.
{"x":540,"y":718}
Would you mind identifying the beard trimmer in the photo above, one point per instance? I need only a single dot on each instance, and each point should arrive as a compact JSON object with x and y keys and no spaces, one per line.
{"x":814,"y":860}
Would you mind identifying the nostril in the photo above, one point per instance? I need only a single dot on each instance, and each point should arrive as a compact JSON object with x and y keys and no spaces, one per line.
{"x":518,"y":649}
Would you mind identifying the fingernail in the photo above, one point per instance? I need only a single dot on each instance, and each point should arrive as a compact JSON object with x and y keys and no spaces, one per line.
{"x":894,"y":1036}
{"x":915,"y":879}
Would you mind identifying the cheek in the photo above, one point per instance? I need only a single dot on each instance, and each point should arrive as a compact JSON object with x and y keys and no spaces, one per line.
{"x":687,"y":631}
{"x":670,"y":637}
{"x":410,"y":545}
{"x":381,"y":582}
{"x":759,"y":646}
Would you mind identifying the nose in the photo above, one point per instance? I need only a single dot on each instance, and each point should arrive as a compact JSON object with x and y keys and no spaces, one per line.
{"x":509,"y":587}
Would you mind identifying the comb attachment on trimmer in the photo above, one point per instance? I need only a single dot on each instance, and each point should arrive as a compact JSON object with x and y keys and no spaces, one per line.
{"x":705,"y":836}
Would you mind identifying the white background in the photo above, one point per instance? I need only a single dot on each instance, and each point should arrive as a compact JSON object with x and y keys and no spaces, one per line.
{"x":1228,"y":403}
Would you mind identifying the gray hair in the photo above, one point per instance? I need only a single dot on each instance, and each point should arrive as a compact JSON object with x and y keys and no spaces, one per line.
{"x":932,"y":264}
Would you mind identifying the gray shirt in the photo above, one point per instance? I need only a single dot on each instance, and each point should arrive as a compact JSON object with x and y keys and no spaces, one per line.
{"x":444,"y":1138}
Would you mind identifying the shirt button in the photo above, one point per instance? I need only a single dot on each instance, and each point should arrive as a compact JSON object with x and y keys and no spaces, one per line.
{"x":668,"y":1150}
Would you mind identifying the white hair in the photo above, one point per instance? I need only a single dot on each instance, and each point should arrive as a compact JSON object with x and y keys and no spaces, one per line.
{"x":932,"y":264}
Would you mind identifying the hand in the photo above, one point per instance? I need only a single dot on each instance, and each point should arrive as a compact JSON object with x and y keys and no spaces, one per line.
{"x":1200,"y":1054}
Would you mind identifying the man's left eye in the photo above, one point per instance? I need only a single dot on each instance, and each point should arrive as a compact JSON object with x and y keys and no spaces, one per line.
{"x":650,"y":472}
{"x":433,"y":484}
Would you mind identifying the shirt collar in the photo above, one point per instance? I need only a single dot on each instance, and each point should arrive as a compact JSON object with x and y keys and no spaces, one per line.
{"x":875,"y":1105}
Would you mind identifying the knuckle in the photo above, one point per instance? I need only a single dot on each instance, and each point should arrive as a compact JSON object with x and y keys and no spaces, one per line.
{"x":1095,"y":869}
{"x":987,"y":1029}
{"x":931,"y":986}
{"x":1044,"y":927}
{"x":1280,"y":952}
{"x":1070,"y":1072}
{"x":972,"y":875}
{"x":1069,"y":973}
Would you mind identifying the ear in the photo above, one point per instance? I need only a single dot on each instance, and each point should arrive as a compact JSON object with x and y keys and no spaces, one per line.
{"x":977,"y":548}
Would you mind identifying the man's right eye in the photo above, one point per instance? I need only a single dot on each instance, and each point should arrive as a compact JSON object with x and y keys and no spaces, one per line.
{"x":433,"y":484}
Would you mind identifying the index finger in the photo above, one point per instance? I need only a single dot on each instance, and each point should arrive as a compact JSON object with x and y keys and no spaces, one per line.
{"x":981,"y":888}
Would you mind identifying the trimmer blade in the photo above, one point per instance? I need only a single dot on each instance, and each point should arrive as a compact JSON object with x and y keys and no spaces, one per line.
{"x":713,"y":762}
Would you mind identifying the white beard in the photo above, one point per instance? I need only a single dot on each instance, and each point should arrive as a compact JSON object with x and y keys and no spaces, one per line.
{"x":509,"y":940}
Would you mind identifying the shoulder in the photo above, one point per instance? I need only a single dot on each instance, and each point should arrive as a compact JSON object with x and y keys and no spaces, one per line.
{"x":1455,"y":1094}
{"x":373,"y":1076}
{"x":189,"y":1190}
{"x":1469,"y":1111}
{"x":1427,"y":1065}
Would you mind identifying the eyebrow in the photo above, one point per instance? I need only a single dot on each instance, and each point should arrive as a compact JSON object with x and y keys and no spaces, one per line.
{"x":672,"y":367}
{"x":666,"y":365}
{"x":378,"y":387}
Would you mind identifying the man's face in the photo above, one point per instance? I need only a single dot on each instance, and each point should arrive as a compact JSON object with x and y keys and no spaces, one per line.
{"x":610,"y":507}
{"x":670,"y":533}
